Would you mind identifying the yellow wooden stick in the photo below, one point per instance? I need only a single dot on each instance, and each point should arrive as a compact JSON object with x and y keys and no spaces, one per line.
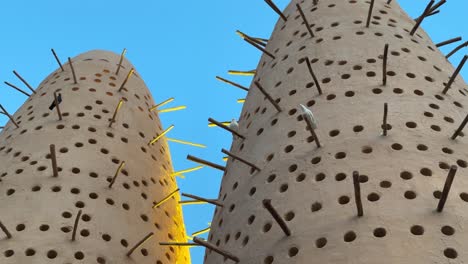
{"x":172,"y":109}
{"x":154,"y":140}
{"x":186,"y":142}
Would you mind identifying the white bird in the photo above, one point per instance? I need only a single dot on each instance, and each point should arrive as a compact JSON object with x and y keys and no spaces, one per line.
{"x":234,"y":125}
{"x":309,"y":115}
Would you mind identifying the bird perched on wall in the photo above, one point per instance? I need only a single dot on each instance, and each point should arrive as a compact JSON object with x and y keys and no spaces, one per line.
{"x":59,"y":100}
{"x":309,"y":115}
{"x":234,"y":125}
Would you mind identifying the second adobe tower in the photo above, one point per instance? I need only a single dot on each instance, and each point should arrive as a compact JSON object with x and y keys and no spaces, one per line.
{"x":401,"y":174}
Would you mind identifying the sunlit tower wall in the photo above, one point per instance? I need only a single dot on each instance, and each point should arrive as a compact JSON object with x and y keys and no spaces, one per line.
{"x":401,"y":175}
{"x":40,"y":211}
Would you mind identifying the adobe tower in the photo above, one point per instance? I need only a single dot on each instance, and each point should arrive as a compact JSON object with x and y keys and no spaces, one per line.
{"x":387,"y":116}
{"x":91,"y":199}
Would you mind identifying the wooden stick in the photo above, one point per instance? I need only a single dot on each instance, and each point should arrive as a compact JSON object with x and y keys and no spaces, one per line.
{"x":357,"y":193}
{"x":5,"y":230}
{"x":433,"y":13}
{"x":232,"y":83}
{"x":215,"y":249}
{"x":312,"y":130}
{"x":9,"y":116}
{"x":201,"y":232}
{"x":421,"y":18}
{"x":455,"y":74}
{"x":259,"y":41}
{"x":122,"y":164}
{"x":385,"y":57}
{"x":268,"y":96}
{"x":186,"y":142}
{"x":460,"y":128}
{"x":447,"y":186}
{"x":449,"y":41}
{"x":117,"y":108}
{"x":172,"y":109}
{"x":207,"y":163}
{"x":57,"y":106}
{"x":161,"y":104}
{"x":146,"y":238}
{"x":130,"y":73}
{"x":210,"y":201}
{"x":369,"y":14}
{"x":177,"y":244}
{"x":305,"y":20}
{"x":188,"y":202}
{"x":465,"y":44}
{"x":259,"y":48}
{"x":276,"y":9}
{"x":240,"y":159}
{"x":309,"y":66}
{"x":154,"y":140}
{"x":384,"y":126}
{"x":120,"y":61}
{"x":57,"y":59}
{"x":16,"y":88}
{"x":24,"y":81}
{"x":75,"y":226}
{"x":75,"y":81}
{"x":276,"y":216}
{"x":433,"y":10}
{"x":242,"y":73}
{"x":53,"y":157}
{"x":165,"y":199}
{"x":221,"y":125}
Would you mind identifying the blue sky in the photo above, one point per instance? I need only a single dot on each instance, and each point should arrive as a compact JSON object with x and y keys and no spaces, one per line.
{"x":178,"y":47}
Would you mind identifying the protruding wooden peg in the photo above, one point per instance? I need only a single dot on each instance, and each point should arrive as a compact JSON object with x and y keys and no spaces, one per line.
{"x":161,"y":104}
{"x":369,"y":14}
{"x":357,"y":193}
{"x":53,"y":158}
{"x":177,"y":173}
{"x":210,"y":201}
{"x":9,"y":116}
{"x":455,"y":74}
{"x":309,"y":118}
{"x":141,"y":242}
{"x":221,"y":125}
{"x":449,"y":41}
{"x":305,"y":20}
{"x":232,"y":83}
{"x":276,"y":9}
{"x":122,"y":164}
{"x":24,"y":81}
{"x":5,"y":230}
{"x":179,"y":244}
{"x":186,"y":142}
{"x":432,"y":10}
{"x":459,"y":47}
{"x":16,"y":88}
{"x":447,"y":186}
{"x":120,"y":61}
{"x":57,"y":59}
{"x":259,"y":41}
{"x":243,"y":73}
{"x":75,"y":226}
{"x":384,"y":68}
{"x":268,"y":96}
{"x":154,"y":140}
{"x":117,"y":108}
{"x":207,"y":163}
{"x":172,"y":109}
{"x":215,"y":249}
{"x":316,"y":82}
{"x":384,"y":123}
{"x":130,"y":73}
{"x":460,"y":128}
{"x":248,"y":163}
{"x":57,"y":106}
{"x":260,"y":48}
{"x":201,"y":232}
{"x":188,"y":202}
{"x":75,"y":80}
{"x":165,"y":199}
{"x":276,"y":216}
{"x":421,"y":18}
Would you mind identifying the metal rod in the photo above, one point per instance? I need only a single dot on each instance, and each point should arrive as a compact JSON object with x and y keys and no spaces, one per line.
{"x":5,"y":230}
{"x":130,"y":73}
{"x":309,"y":66}
{"x":385,"y":114}
{"x":460,"y":128}
{"x":385,"y":58}
{"x":53,"y":157}
{"x":115,"y":112}
{"x":276,"y":9}
{"x":215,"y":249}
{"x":9,"y":116}
{"x":455,"y":74}
{"x":276,"y":216}
{"x":240,"y":159}
{"x":421,"y":18}
{"x":57,"y":106}
{"x":16,"y":88}
{"x":449,"y":41}
{"x":259,"y":48}
{"x":268,"y":96}
{"x":122,"y":55}
{"x":369,"y":14}
{"x":75,"y":81}
{"x":146,"y":238}
{"x":221,"y":125}
{"x":465,"y":44}
{"x":305,"y":20}
{"x":207,"y":163}
{"x":447,"y":186}
{"x":232,"y":83}
{"x":24,"y":81}
{"x":154,"y":140}
{"x":122,"y":164}
{"x":57,"y":59}
{"x":165,"y":199}
{"x":75,"y":226}
{"x":312,"y":131}
{"x":210,"y":201}
{"x":357,"y":193}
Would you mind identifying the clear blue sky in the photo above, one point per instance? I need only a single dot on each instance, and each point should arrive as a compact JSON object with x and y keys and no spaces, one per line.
{"x":178,"y":47}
